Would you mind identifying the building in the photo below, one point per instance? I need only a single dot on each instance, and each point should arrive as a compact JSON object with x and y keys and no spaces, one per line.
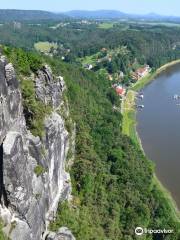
{"x":110,"y":77}
{"x":121,"y":74}
{"x":141,"y":72}
{"x":88,"y":66}
{"x":120,"y":90}
{"x":17,"y":25}
{"x":104,"y":50}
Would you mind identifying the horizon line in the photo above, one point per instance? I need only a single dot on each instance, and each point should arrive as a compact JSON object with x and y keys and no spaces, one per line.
{"x":89,"y":10}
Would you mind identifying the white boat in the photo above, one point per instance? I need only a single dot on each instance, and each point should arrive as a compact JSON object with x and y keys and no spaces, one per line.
{"x":176,"y":97}
{"x":141,"y":96}
{"x":140,"y":106}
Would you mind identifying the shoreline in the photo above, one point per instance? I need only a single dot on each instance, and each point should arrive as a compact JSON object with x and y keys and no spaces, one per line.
{"x":151,"y":76}
{"x":129,"y":129}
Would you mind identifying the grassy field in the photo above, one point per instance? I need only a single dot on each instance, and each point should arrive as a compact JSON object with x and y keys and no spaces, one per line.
{"x":129,"y":116}
{"x":92,"y":59}
{"x":155,"y":23}
{"x":106,"y":25}
{"x":89,"y":59}
{"x":45,"y":47}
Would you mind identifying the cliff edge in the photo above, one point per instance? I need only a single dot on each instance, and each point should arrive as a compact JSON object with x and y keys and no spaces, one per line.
{"x":32,"y":169}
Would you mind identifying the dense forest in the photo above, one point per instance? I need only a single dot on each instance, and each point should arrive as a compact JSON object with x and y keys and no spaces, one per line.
{"x":113,"y":186}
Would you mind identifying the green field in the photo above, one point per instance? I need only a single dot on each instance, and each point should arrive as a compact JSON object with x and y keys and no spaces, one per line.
{"x":129,"y":116}
{"x":92,"y":59}
{"x":45,"y":47}
{"x":89,"y":59}
{"x":155,"y":23}
{"x":106,"y":25}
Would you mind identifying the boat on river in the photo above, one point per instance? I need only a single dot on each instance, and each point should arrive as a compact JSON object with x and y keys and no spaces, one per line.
{"x":141,"y":96}
{"x":176,"y":96}
{"x":140,"y":106}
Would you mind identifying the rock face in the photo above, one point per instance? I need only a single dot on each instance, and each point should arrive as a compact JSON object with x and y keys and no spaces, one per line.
{"x":62,"y":234}
{"x":29,"y":201}
{"x":49,"y":89}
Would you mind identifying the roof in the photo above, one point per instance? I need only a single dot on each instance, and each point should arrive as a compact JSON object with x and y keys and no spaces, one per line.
{"x":141,"y":70}
{"x":120,"y":90}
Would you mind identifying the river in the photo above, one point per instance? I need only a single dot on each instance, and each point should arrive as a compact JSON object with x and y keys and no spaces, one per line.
{"x":158,"y":126}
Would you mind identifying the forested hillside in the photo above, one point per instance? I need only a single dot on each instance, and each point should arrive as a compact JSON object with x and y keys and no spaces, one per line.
{"x":8,"y":15}
{"x":113,"y":189}
{"x":153,"y":45}
{"x":113,"y":185}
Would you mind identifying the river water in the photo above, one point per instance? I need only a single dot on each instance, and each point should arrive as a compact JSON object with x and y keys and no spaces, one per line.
{"x":159,"y":128}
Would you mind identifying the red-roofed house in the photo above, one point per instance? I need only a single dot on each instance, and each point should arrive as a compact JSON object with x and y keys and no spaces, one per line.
{"x":120,"y":90}
{"x":141,"y":72}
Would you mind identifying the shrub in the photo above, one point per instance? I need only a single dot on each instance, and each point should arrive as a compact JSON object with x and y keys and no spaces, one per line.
{"x":39,"y":170}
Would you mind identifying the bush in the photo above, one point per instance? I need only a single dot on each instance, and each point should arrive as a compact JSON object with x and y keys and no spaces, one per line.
{"x":24,"y":62}
{"x":34,"y":110}
{"x":39,"y":170}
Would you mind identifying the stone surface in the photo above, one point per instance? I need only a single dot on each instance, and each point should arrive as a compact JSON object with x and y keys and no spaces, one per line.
{"x":29,"y":202}
{"x":49,"y":89}
{"x":62,"y":234}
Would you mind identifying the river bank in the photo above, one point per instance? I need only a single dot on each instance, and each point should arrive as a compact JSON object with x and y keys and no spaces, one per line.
{"x":151,"y":76}
{"x":129,"y":129}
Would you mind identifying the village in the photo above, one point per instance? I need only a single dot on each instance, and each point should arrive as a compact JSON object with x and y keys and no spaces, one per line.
{"x":136,"y":76}
{"x":117,"y":78}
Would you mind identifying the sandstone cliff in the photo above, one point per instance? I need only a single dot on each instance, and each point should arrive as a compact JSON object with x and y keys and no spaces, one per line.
{"x":29,"y":200}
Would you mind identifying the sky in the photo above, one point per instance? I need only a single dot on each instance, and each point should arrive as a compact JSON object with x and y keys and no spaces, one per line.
{"x":163,"y":7}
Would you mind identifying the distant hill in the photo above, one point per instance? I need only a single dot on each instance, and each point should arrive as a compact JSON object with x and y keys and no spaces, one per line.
{"x":96,"y":14}
{"x":113,"y":14}
{"x":22,"y":15}
{"x":36,"y":15}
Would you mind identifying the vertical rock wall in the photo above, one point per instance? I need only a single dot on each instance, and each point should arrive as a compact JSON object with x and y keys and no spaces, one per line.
{"x":28,"y":201}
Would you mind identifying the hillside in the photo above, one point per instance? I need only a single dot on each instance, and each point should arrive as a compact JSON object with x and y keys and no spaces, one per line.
{"x":27,"y":15}
{"x":108,"y":14}
{"x":115,"y":14}
{"x":7,"y":15}
{"x":113,"y":187}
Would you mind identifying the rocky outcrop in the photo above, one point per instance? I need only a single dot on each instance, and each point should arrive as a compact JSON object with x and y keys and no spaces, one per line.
{"x":63,"y":234}
{"x":30,"y":200}
{"x":49,"y":89}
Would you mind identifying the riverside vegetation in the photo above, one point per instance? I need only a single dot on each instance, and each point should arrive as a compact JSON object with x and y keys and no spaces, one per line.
{"x":113,"y":182}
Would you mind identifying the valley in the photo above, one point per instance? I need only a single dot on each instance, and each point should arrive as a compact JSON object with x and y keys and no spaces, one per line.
{"x":71,"y":159}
